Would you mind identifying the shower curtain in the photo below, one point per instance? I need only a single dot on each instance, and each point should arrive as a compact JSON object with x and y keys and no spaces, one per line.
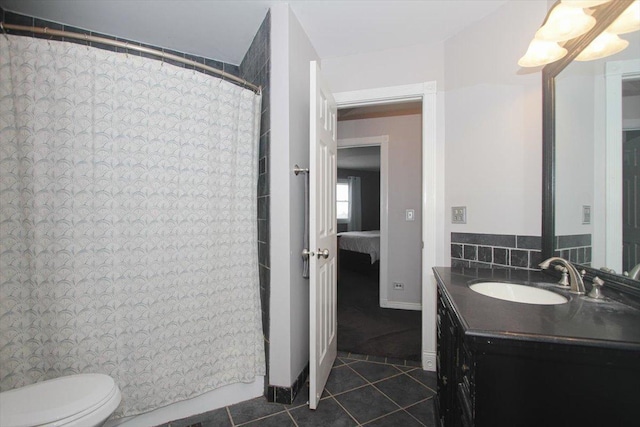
{"x":128,"y":241}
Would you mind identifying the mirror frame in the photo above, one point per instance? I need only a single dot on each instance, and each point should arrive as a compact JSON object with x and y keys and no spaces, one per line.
{"x":604,"y":15}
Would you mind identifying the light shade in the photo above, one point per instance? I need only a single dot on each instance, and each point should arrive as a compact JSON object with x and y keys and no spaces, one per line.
{"x":604,"y":45}
{"x":584,"y":3}
{"x":565,"y":23}
{"x":541,"y":52}
{"x":628,"y":21}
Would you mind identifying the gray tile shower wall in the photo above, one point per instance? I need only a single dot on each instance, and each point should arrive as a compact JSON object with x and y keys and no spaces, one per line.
{"x":495,"y":250}
{"x":575,"y":248}
{"x":255,"y":67}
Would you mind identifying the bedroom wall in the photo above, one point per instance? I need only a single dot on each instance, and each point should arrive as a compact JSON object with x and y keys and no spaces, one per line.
{"x":370,"y":188}
{"x":405,"y":174}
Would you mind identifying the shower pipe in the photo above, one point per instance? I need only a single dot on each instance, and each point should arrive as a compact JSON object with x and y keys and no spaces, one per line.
{"x":126,"y":45}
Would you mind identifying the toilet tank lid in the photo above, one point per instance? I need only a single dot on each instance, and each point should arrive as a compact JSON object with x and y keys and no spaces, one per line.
{"x":56,"y":399}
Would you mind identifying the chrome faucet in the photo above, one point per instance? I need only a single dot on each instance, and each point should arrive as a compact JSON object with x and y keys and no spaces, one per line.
{"x":575,"y":278}
{"x":634,"y":273}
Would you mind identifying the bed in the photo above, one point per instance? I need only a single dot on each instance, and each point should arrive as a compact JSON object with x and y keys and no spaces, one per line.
{"x":364,"y":242}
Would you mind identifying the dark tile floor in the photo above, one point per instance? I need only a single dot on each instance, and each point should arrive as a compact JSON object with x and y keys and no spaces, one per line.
{"x":361,"y":391}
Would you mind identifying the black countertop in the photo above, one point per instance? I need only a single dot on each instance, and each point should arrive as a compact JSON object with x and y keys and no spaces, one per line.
{"x":611,"y":323}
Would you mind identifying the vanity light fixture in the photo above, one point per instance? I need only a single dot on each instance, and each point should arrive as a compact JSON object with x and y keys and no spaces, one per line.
{"x":564,"y":23}
{"x":628,"y":21}
{"x":541,"y":52}
{"x":584,"y":4}
{"x":604,"y":45}
{"x":569,"y":19}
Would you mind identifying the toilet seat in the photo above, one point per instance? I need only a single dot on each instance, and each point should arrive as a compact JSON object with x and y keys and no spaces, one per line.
{"x":60,"y":401}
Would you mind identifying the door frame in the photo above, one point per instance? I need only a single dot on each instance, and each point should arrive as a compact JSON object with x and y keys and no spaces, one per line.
{"x":381,"y":141}
{"x":432,"y":192}
{"x":616,"y":72}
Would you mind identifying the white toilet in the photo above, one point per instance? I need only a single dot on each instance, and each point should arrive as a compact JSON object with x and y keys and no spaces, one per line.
{"x":83,"y":400}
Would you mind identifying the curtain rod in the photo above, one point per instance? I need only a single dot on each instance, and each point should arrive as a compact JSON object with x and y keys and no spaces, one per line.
{"x":126,"y":45}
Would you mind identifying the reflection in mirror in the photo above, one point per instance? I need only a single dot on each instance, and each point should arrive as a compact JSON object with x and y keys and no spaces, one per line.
{"x":631,"y":176}
{"x":597,"y":127}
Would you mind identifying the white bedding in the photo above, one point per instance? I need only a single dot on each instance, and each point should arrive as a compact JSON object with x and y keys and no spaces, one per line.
{"x":366,"y":242}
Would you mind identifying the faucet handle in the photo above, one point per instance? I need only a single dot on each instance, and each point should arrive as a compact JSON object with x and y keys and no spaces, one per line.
{"x":596,"y":290}
{"x":564,"y":280}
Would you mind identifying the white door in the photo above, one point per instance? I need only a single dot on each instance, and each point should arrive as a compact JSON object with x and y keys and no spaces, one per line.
{"x":322,"y":236}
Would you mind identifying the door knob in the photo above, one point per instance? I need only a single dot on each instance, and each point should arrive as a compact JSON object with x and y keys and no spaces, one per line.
{"x":324,"y":253}
{"x":306,"y":253}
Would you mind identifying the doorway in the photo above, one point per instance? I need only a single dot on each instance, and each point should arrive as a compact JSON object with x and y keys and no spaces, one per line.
{"x":432,"y":202}
{"x":379,"y":291}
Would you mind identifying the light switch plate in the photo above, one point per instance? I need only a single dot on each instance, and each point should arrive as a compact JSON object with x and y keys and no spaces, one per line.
{"x":458,"y":215}
{"x":586,"y":214}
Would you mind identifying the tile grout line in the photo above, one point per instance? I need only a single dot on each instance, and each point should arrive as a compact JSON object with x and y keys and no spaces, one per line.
{"x":369,"y":383}
{"x":381,"y":392}
{"x":348,"y":413}
{"x":291,"y":416}
{"x":230,"y":417}
{"x":376,"y":381}
{"x":395,"y":411}
{"x":422,"y":384}
{"x":262,"y":418}
{"x":414,"y":417}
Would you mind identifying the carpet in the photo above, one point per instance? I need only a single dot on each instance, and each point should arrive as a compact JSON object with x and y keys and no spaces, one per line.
{"x":365,"y":328}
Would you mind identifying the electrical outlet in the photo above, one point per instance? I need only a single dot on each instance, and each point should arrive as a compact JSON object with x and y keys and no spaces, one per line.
{"x":410,"y":215}
{"x":458,"y":215}
{"x":398,"y":286}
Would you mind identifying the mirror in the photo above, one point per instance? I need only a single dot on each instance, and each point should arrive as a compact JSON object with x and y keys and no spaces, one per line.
{"x":583,"y":173}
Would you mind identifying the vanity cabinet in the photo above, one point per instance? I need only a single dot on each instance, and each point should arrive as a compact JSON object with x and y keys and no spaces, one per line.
{"x":496,"y":377}
{"x":454,"y":370}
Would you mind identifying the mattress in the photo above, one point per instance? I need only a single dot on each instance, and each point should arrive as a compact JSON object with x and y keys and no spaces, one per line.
{"x":366,"y":242}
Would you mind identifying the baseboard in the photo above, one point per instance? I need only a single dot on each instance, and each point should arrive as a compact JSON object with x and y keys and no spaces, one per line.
{"x":400,"y":305}
{"x":429,"y":361}
{"x":287,"y":395}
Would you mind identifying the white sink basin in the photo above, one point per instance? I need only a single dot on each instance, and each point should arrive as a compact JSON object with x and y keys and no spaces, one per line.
{"x":518,"y":293}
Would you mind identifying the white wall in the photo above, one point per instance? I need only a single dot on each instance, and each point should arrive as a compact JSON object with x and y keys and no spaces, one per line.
{"x":291,"y":52}
{"x":404,"y":173}
{"x":414,"y":64}
{"x":396,"y":67}
{"x":494,"y":124}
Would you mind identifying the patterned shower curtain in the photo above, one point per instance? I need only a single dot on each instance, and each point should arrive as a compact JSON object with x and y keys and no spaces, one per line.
{"x":128,"y":241}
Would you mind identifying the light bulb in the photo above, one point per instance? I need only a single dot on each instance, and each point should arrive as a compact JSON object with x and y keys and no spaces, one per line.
{"x":541,"y":52}
{"x":604,"y":45}
{"x":565,"y":23}
{"x":628,"y":21}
